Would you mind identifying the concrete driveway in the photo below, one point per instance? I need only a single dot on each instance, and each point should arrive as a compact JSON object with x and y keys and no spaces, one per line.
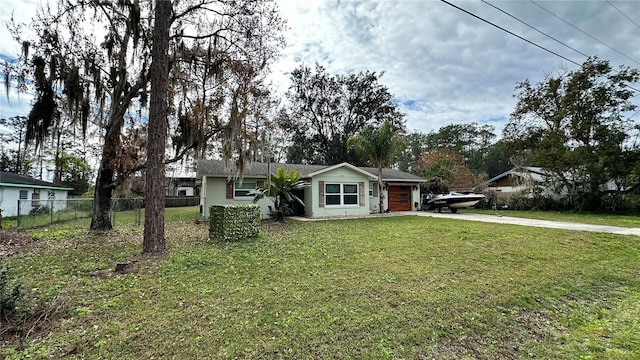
{"x":498,"y":219}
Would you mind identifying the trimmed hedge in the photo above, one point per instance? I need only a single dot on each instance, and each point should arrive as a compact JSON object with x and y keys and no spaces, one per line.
{"x":233,"y":222}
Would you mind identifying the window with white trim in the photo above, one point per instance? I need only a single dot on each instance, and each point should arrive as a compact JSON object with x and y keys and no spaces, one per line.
{"x":52,"y":195}
{"x":341,"y":195}
{"x":370,"y":189}
{"x":243,"y":190}
{"x":24,"y":194}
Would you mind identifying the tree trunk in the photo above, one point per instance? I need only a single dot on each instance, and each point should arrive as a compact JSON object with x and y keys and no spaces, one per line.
{"x":19,"y":169}
{"x":105,"y":181}
{"x":380,"y":190}
{"x":101,"y":219}
{"x":154,"y":240}
{"x":57,"y":174}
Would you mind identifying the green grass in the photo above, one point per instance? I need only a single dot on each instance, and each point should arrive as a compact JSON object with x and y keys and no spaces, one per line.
{"x":629,"y":221}
{"x":128,"y":217}
{"x":381,"y":288}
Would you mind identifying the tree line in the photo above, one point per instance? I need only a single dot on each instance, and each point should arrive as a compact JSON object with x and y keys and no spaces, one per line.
{"x":193,"y":73}
{"x":576,"y":125}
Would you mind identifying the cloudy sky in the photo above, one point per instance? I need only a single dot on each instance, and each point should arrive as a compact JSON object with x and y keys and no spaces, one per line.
{"x":443,"y":65}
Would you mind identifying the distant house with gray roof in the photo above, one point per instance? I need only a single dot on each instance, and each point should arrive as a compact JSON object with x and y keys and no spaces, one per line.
{"x":337,"y":190}
{"x":31,"y":193}
{"x":530,"y":180}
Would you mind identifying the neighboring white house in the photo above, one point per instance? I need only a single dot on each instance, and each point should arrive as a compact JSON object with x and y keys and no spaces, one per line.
{"x":183,"y":184}
{"x":338,"y":190}
{"x":523,"y":181}
{"x":530,"y":180}
{"x":32,"y":193}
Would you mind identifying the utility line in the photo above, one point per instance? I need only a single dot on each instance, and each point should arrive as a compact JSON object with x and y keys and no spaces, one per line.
{"x":584,"y":32}
{"x":509,"y":32}
{"x":522,"y":38}
{"x":623,"y":14}
{"x":541,"y":32}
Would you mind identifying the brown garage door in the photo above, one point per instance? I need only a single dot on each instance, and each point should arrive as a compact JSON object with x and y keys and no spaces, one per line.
{"x":399,"y":198}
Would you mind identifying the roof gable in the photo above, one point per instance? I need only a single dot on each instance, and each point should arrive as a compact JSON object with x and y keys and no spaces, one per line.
{"x":535,"y":173}
{"x":345,"y":165}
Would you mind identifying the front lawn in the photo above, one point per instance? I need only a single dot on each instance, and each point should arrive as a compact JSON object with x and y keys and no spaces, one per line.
{"x":382,"y":288}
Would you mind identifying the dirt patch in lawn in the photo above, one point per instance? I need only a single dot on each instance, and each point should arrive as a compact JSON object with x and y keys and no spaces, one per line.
{"x":508,"y":339}
{"x":12,"y":243}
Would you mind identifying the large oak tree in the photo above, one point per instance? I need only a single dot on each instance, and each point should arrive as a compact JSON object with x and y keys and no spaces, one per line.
{"x":325,"y":110}
{"x":93,"y":58}
{"x":575,"y":125}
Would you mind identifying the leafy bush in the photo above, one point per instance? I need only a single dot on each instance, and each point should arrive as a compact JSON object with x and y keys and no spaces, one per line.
{"x":632,"y":204}
{"x":620,"y":203}
{"x":40,"y":210}
{"x":233,"y":222}
{"x":536,"y":203}
{"x":10,"y":293}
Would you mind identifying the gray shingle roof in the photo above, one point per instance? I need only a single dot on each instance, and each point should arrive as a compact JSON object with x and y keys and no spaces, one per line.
{"x":393,"y":174}
{"x":536,"y":173}
{"x":13,"y":178}
{"x":218,"y":168}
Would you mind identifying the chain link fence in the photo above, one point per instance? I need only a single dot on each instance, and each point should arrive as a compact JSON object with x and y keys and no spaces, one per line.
{"x":38,"y":213}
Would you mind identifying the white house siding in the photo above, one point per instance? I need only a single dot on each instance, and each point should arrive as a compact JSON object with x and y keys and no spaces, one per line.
{"x":203,"y":198}
{"x":415,"y":195}
{"x":374,"y":201}
{"x":502,"y":194}
{"x":9,"y":199}
{"x":188,"y":191}
{"x":342,"y":175}
{"x":60,"y":201}
{"x":214,"y":189}
{"x":308,"y":199}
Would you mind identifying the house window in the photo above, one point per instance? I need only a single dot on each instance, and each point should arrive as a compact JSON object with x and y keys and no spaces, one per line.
{"x":341,"y":194}
{"x":370,"y":189}
{"x":182,"y":192}
{"x":24,"y":194}
{"x":35,"y":198}
{"x":52,"y":195}
{"x":243,"y":190}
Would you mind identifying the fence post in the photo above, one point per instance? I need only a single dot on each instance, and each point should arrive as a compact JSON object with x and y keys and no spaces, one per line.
{"x":19,"y":217}
{"x":113,"y":213}
{"x":51,"y":211}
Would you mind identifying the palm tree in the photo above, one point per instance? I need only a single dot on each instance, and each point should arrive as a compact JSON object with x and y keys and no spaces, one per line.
{"x":379,"y":145}
{"x":280,"y":191}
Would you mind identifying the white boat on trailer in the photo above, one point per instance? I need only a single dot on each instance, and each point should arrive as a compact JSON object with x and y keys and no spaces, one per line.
{"x":453,"y":201}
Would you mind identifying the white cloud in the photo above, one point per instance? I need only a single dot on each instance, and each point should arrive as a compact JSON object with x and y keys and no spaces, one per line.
{"x":450,"y":66}
{"x":14,"y":105}
{"x":442,"y":65}
{"x":21,"y":11}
